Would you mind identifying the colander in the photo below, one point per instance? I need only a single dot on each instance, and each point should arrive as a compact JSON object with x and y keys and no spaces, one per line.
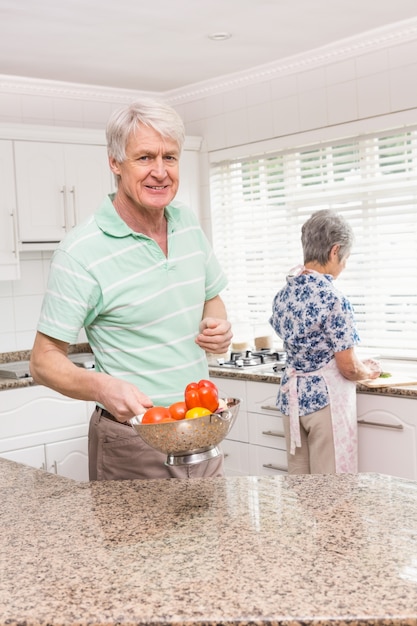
{"x":189,"y":441}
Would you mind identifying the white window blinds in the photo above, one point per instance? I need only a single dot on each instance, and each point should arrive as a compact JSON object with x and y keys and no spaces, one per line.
{"x":260,"y":203}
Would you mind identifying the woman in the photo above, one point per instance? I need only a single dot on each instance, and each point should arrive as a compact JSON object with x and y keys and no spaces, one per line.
{"x":317,"y":395}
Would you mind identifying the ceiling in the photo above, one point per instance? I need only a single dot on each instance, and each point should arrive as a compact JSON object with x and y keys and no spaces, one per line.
{"x":162,"y":45}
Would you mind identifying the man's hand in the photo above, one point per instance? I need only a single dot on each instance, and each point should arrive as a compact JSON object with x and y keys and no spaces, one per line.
{"x":120,"y":398}
{"x":215,"y":335}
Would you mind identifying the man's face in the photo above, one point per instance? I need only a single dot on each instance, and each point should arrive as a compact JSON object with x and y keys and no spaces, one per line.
{"x":149,"y":177}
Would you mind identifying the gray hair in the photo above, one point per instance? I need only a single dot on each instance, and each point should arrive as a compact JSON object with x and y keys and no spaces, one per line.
{"x":157,"y":115}
{"x":321,"y":232}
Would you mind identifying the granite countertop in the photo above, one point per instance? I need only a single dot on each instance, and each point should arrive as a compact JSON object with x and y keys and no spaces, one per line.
{"x":269,"y":550}
{"x":24,"y":355}
{"x":264,"y":375}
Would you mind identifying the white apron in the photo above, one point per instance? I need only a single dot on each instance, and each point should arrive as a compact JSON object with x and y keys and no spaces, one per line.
{"x":342,"y":400}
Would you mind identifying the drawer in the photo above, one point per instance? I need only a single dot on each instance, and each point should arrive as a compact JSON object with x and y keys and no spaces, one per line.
{"x":267,"y":461}
{"x":261,"y":397}
{"x":236,"y":458}
{"x":267,"y":430}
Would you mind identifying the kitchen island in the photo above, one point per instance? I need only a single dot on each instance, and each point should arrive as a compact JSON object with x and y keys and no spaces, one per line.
{"x":273,"y":550}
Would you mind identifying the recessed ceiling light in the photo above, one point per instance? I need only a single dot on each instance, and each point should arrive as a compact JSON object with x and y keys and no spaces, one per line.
{"x":220,"y":36}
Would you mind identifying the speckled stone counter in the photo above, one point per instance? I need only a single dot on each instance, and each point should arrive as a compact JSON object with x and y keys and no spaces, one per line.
{"x":260,"y":376}
{"x":251,"y":375}
{"x":24,"y":355}
{"x":286,"y":550}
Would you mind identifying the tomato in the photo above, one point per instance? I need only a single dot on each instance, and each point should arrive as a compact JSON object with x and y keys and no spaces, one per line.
{"x":178,"y":410}
{"x":197,"y":411}
{"x":156,"y":415}
{"x":202,"y":394}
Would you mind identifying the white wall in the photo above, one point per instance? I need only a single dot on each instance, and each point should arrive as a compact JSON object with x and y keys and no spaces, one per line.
{"x":368,"y":91}
{"x":374,"y":89}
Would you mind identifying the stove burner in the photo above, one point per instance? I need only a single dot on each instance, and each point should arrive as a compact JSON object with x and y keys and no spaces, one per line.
{"x":250,"y":359}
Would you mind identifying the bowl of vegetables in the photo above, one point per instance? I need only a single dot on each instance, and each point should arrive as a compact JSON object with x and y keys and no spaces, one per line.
{"x":189,"y":433}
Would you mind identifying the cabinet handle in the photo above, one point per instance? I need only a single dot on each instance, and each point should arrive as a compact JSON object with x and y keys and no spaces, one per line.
{"x":273,"y":433}
{"x":43,"y":467}
{"x":279,"y":468}
{"x":64,"y":198}
{"x":267,"y":407}
{"x":74,"y":206}
{"x":382,"y":425}
{"x":54,"y":467}
{"x":15,"y":235}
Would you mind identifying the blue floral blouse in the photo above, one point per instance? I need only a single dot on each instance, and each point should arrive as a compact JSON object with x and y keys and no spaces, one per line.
{"x":314,"y":320}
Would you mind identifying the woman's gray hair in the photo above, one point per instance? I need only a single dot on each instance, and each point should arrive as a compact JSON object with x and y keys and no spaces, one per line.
{"x":157,"y":115}
{"x":321,"y":232}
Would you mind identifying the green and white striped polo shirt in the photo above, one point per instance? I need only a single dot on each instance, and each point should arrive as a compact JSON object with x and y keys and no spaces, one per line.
{"x":140,"y":309}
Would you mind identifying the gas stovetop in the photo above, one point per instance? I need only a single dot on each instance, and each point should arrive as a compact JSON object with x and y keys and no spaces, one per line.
{"x":253,"y":359}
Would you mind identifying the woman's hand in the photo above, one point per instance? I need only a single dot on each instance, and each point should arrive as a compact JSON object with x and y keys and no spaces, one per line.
{"x":354,"y":369}
{"x":374,"y":368}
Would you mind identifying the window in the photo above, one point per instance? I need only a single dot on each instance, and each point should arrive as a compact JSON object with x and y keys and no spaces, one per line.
{"x":258,"y":207}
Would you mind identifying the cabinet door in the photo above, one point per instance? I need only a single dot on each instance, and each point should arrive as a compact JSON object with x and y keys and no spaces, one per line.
{"x":236,"y":458}
{"x":40,"y":179}
{"x":68,"y":458}
{"x":88,"y":180}
{"x":34,"y":456}
{"x":9,"y":254}
{"x":189,"y":188}
{"x":36,"y":415}
{"x":58,"y":185}
{"x":387,"y":435}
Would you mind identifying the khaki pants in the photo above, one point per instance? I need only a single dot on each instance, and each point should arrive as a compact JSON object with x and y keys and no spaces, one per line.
{"x":117,"y":452}
{"x":317,"y":454}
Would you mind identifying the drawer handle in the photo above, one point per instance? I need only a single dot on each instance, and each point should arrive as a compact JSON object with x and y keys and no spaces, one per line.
{"x":280,"y":468}
{"x":273,"y":433}
{"x":268,"y":407}
{"x":381,"y":425}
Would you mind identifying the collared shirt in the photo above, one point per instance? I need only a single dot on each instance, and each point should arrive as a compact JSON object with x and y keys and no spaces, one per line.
{"x":140,"y":309}
{"x":314,"y":320}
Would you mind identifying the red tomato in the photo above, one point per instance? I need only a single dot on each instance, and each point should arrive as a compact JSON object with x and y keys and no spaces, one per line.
{"x":178,"y":410}
{"x":156,"y":415}
{"x":202,"y":394}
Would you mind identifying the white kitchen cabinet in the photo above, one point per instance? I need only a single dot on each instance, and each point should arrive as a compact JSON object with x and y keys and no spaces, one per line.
{"x":33,"y":456}
{"x":235,"y":447}
{"x":58,"y":185}
{"x":9,"y":251}
{"x":256,"y":444}
{"x":189,"y":188}
{"x":44,"y":429}
{"x":267,"y":452}
{"x":387,"y":435}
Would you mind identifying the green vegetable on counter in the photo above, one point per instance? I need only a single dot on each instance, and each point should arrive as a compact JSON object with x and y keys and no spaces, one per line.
{"x":385,"y":375}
